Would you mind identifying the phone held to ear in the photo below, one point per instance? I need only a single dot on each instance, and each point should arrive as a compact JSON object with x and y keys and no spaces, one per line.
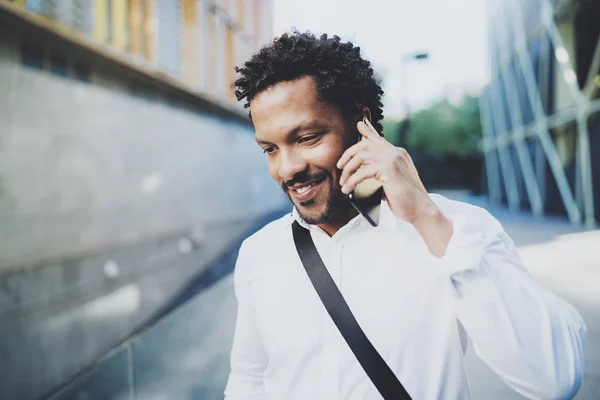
{"x":367,"y":197}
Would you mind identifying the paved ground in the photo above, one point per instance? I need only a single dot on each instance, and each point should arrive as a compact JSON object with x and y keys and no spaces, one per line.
{"x":191,"y":347}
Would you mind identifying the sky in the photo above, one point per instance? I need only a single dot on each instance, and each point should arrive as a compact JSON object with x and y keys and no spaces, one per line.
{"x":453,"y":32}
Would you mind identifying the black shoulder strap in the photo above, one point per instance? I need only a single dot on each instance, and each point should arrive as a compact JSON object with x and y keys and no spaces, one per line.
{"x":376,"y":368}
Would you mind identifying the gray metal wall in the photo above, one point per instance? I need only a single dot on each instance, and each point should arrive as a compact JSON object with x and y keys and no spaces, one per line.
{"x":109,"y":204}
{"x":82,"y":167}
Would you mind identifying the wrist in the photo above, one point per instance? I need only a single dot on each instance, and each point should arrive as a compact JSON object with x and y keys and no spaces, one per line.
{"x":427,"y":212}
{"x":435,"y":229}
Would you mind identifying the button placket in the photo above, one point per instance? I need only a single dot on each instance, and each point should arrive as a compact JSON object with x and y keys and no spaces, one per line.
{"x":330,"y":367}
{"x":331,"y":252}
{"x":336,"y":255}
{"x":324,"y":244}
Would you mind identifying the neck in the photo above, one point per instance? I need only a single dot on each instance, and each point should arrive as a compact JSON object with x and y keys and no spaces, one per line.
{"x":332,"y":227}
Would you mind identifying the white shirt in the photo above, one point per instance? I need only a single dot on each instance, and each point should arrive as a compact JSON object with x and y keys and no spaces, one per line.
{"x":410,"y":304}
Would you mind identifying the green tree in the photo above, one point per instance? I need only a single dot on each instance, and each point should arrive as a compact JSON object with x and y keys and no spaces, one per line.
{"x":443,"y":141}
{"x":444,"y":129}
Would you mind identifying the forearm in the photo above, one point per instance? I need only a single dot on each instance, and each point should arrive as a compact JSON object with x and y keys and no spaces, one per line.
{"x":248,"y":362}
{"x":248,"y":356}
{"x":241,"y":386}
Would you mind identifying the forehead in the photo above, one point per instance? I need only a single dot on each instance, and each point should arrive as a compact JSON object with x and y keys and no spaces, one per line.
{"x":288,"y":105}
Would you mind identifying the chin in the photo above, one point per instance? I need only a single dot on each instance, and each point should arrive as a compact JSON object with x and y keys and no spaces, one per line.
{"x":312,"y":213}
{"x":322,"y":208}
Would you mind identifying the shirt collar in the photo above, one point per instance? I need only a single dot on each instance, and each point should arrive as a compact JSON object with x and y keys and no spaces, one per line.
{"x":387,"y":218}
{"x":296,"y":216}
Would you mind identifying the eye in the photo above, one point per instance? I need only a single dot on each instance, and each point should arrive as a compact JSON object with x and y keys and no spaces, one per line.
{"x":268,"y":150}
{"x":309,"y":138}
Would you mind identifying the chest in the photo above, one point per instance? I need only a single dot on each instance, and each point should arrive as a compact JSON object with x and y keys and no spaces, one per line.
{"x":393,"y":293}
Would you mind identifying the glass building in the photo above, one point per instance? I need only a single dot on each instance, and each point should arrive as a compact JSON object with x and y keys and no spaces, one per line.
{"x":540,"y":110}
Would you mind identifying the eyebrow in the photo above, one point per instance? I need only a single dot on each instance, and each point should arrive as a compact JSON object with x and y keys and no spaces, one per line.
{"x":262,"y":142}
{"x":313,"y":125}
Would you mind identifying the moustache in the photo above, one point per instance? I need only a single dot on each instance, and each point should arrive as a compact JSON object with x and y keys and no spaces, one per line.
{"x":303,"y":177}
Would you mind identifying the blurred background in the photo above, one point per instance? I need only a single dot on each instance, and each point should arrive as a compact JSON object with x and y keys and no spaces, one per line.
{"x":129,"y":174}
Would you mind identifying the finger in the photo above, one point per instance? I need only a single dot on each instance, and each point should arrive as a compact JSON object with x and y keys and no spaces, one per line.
{"x":367,"y":131}
{"x":364,"y":172}
{"x":349,"y":153}
{"x":355,"y":163}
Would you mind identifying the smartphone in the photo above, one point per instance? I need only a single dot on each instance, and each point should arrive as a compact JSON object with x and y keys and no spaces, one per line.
{"x":367,"y":197}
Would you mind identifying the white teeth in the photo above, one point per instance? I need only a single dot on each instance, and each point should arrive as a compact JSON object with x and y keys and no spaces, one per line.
{"x":304,"y":188}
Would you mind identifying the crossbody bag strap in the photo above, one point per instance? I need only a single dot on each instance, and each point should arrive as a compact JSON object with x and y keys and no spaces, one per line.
{"x":374,"y":365}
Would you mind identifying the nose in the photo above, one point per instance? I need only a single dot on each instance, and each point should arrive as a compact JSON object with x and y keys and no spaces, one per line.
{"x":290,"y":163}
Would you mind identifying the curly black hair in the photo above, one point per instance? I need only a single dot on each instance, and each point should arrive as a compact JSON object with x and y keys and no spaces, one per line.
{"x":342,"y":76}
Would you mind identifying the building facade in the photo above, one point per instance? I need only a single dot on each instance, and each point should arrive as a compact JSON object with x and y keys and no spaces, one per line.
{"x":193,"y":43}
{"x":540,"y":112}
{"x":127,"y":169}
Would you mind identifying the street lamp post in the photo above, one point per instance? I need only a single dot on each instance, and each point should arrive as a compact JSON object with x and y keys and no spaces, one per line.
{"x":404,"y":126}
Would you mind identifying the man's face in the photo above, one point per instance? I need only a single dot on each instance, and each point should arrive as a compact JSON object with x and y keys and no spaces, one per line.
{"x":304,"y":138}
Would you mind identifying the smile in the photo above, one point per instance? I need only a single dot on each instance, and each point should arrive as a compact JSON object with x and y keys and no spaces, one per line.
{"x":305,"y":192}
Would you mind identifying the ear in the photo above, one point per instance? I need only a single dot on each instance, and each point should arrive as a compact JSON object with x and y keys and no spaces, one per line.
{"x":366,"y":113}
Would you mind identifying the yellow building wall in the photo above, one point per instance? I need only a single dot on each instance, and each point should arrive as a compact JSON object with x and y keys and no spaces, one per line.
{"x":216,"y":35}
{"x":119,"y":24}
{"x":136,"y":35}
{"x":100,"y":12}
{"x":191,"y":44}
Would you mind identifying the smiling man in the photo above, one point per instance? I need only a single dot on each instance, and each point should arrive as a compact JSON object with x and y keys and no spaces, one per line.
{"x":432,"y":276}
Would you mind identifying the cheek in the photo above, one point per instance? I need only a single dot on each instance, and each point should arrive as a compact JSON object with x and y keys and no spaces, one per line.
{"x":324,"y":156}
{"x":274,"y":171}
{"x":327,"y":156}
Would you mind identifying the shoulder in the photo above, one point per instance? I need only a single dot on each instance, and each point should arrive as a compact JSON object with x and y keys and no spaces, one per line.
{"x":274,"y":235}
{"x":269,"y":235}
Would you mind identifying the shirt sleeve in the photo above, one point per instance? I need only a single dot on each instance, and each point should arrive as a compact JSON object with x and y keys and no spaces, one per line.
{"x":527,"y":335}
{"x":248,"y":356}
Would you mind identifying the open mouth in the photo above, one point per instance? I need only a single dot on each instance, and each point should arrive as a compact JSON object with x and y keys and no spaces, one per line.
{"x":305,"y":192}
